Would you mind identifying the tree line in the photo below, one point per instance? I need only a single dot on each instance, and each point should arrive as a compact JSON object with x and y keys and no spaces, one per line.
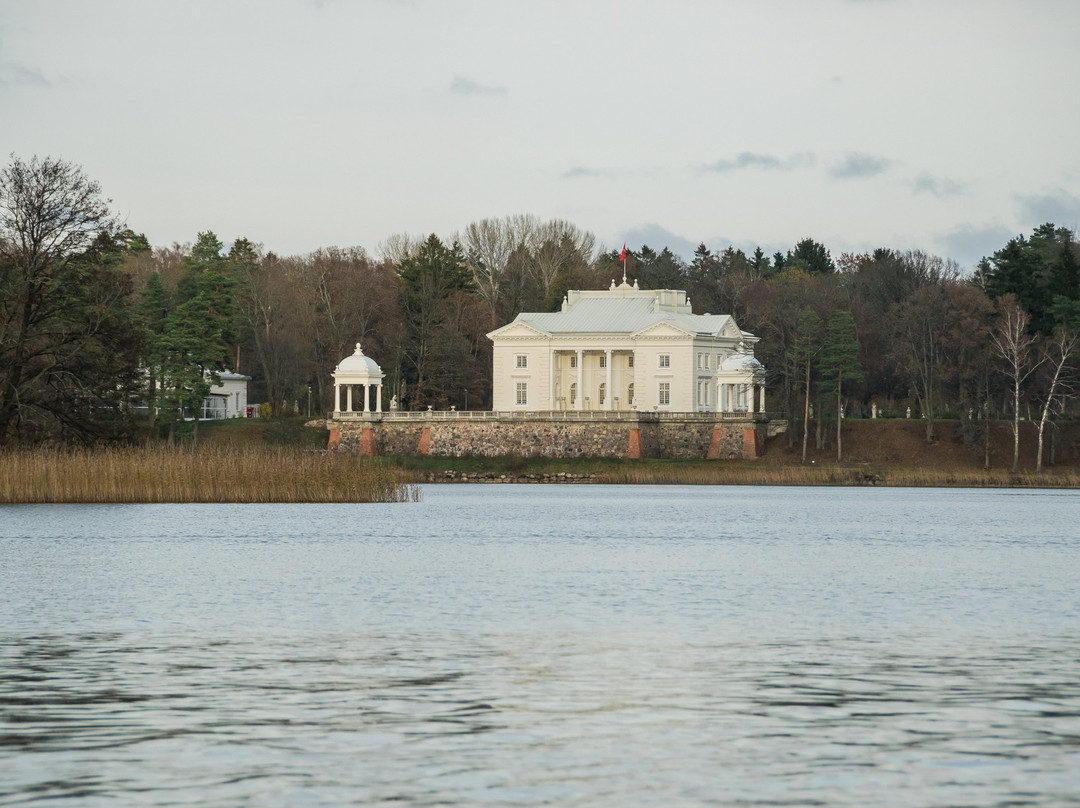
{"x":104,"y":337}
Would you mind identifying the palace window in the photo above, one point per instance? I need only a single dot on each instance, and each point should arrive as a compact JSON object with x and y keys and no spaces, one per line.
{"x":630,"y":394}
{"x":573,"y":394}
{"x":522,"y":393}
{"x":603,"y":393}
{"x":665,"y":360}
{"x":664,"y":398}
{"x":573,"y":361}
{"x":522,"y":360}
{"x":603,"y":360}
{"x":630,"y":361}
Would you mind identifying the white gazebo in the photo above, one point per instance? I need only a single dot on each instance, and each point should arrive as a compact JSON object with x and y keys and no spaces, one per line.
{"x":740,"y":383}
{"x":357,"y":371}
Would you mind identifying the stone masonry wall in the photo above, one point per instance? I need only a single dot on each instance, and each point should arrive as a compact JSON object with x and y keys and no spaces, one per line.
{"x":547,"y":437}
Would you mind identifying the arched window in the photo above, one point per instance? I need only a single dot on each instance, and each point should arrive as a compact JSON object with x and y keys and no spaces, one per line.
{"x":630,"y":395}
{"x":573,"y":394}
{"x":603,"y":393}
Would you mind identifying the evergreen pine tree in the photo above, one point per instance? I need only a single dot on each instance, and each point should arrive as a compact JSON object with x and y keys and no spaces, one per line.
{"x":839,"y":364}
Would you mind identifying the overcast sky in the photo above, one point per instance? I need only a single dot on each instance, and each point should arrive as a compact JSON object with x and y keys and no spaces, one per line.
{"x":945,"y":125}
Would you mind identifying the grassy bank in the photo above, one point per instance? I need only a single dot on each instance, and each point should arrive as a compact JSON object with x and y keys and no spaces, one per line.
{"x":209,"y":474}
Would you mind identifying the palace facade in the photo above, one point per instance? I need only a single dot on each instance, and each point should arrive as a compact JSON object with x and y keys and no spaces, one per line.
{"x":625,"y":349}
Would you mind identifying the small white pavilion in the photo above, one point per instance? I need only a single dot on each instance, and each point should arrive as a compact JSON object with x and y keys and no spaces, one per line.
{"x":740,"y":380}
{"x":359,"y":371}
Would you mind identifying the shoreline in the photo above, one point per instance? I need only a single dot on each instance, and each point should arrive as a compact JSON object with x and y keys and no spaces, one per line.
{"x":822,"y":477}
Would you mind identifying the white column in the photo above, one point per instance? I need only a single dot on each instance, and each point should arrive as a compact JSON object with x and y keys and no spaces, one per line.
{"x":378,"y":397}
{"x":761,"y":395}
{"x":348,"y":397}
{"x":366,"y":388}
{"x":551,"y":378}
{"x":608,"y":397}
{"x":580,"y":381}
{"x":337,"y":397}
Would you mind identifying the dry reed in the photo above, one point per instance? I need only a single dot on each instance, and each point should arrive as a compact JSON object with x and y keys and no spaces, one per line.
{"x":211,"y":474}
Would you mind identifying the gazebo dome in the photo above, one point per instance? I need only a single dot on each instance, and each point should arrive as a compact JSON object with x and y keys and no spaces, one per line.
{"x":357,"y":369}
{"x":741,"y":363}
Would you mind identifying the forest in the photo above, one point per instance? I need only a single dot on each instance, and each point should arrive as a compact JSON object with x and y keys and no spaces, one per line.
{"x":106,"y":338}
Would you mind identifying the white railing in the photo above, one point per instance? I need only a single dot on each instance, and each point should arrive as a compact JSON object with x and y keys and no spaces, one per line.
{"x":547,"y":415}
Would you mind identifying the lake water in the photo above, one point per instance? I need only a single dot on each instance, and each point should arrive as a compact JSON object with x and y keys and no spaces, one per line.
{"x":546,"y":645}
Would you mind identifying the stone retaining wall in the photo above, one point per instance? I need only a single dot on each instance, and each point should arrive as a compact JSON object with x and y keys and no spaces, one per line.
{"x":540,"y":436}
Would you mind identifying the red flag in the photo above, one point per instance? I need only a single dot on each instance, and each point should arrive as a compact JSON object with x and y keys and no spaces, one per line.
{"x":623,"y":257}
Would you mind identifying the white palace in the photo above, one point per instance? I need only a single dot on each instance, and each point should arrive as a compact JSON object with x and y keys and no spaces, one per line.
{"x":626,"y":348}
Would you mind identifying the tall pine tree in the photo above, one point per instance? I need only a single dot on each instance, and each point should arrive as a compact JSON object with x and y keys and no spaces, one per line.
{"x":839,"y":364}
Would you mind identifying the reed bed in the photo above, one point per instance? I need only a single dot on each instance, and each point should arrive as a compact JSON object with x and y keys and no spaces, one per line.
{"x":211,"y":474}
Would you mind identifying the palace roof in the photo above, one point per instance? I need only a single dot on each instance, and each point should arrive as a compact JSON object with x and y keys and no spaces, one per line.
{"x":627,"y":310}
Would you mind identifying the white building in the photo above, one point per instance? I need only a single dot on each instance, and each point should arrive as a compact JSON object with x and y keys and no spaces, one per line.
{"x":626,"y":349}
{"x":228,"y":399}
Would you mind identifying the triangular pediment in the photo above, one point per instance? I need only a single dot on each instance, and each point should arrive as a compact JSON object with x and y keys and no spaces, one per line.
{"x":517,"y":328}
{"x":662,"y":328}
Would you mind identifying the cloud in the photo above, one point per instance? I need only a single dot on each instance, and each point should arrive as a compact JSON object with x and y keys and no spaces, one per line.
{"x":584,"y":172}
{"x":764,"y":162}
{"x":937,"y":186}
{"x":466,"y":86}
{"x":857,"y":165}
{"x":968,"y":244}
{"x":657,"y":238}
{"x":1059,"y":206}
{"x":13,"y":74}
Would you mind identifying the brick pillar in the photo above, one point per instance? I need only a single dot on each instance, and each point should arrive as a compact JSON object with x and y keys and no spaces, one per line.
{"x":634,"y":450}
{"x":367,"y":442}
{"x":335,"y":439}
{"x":716,"y":445}
{"x":750,"y":444}
{"x":425,"y":441}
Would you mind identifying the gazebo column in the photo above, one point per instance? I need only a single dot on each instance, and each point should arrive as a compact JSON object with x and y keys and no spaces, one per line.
{"x":378,"y":397}
{"x":365,"y":387}
{"x":608,"y":397}
{"x":761,"y":396}
{"x":337,"y":398}
{"x":580,"y":381}
{"x":348,"y":397}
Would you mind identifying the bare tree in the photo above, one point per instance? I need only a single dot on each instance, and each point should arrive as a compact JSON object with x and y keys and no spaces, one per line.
{"x":516,"y":256}
{"x":1013,"y":344}
{"x":396,"y":247}
{"x":488,"y":245}
{"x":65,"y":334}
{"x":1058,"y":354}
{"x":553,"y":244}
